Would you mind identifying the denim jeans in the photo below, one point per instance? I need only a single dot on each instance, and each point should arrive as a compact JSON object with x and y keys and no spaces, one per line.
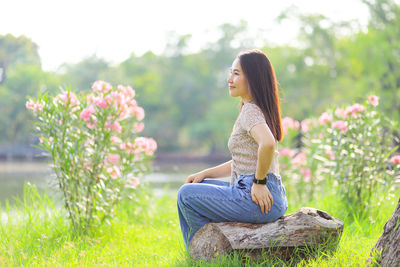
{"x":217,"y":201}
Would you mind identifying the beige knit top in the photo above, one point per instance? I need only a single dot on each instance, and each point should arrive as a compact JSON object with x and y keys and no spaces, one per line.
{"x":243,"y":147}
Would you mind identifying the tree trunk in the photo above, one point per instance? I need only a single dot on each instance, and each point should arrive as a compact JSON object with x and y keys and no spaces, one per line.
{"x":387,"y":250}
{"x":306,"y":227}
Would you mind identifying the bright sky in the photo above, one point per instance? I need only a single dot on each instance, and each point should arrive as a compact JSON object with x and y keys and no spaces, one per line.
{"x":67,"y":31}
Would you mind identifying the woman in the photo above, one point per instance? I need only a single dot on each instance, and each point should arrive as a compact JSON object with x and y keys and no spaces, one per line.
{"x":255,"y":193}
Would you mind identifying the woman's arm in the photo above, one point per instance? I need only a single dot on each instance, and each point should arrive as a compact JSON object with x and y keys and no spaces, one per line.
{"x":222,"y":170}
{"x":266,"y":146}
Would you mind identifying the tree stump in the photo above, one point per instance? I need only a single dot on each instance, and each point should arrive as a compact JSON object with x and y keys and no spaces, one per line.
{"x":308,"y":227}
{"x":386,"y":251}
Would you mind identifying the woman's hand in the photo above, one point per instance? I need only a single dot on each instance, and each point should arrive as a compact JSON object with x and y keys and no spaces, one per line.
{"x":262,"y":197}
{"x":195,"y":178}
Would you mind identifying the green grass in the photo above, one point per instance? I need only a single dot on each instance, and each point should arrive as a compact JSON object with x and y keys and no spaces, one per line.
{"x":146,"y":232}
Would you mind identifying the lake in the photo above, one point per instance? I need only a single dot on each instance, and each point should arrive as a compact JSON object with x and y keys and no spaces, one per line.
{"x":165,"y":178}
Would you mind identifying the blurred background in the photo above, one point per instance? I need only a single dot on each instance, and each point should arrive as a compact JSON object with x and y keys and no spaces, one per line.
{"x":176,"y":55}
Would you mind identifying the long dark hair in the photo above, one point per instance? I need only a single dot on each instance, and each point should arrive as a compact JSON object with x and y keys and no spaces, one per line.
{"x":263,"y":87}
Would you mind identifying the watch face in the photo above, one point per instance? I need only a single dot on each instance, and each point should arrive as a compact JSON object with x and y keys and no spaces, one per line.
{"x":263,"y":181}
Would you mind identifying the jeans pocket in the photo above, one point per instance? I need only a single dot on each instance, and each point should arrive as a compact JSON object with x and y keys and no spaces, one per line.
{"x":244,"y":186}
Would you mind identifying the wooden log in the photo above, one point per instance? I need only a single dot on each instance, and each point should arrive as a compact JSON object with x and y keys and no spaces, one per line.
{"x":386,"y":251}
{"x":306,"y":227}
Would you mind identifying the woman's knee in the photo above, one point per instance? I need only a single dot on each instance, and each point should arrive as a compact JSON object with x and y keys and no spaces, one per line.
{"x":184,"y":191}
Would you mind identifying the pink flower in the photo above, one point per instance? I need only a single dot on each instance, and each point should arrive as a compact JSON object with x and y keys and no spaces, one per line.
{"x":354,"y":110}
{"x":113,"y":158}
{"x":395,"y":160}
{"x":37,"y":107}
{"x":299,"y":159}
{"x":91,"y":124}
{"x":133,"y":183}
{"x":114,"y":172}
{"x":127,"y":91}
{"x":115,"y":139}
{"x":289,"y":123}
{"x":139,"y":112}
{"x":108,"y":99}
{"x":151,"y":146}
{"x":140,"y":142}
{"x":306,"y":174}
{"x":100,"y":102}
{"x":87,"y":113}
{"x":341,"y":125}
{"x":305,"y":126}
{"x":123,"y":111}
{"x":148,"y":145}
{"x":115,"y":126}
{"x":287,"y":152}
{"x":33,"y":106}
{"x":60,"y":122}
{"x":30,"y":104}
{"x":132,"y":103}
{"x":373,"y":100}
{"x":101,"y":86}
{"x":89,"y":99}
{"x":68,"y":96}
{"x":324,"y":118}
{"x":118,"y":98}
{"x":123,"y":146}
{"x":283,"y":166}
{"x":138,"y":127}
{"x":341,"y":113}
{"x":89,"y":142}
{"x":51,"y":139}
{"x":308,"y":124}
{"x":63,"y":97}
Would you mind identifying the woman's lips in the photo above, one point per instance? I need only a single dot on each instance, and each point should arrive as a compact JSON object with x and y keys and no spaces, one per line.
{"x":231,"y":87}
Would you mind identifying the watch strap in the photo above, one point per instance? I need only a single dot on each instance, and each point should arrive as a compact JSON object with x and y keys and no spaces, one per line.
{"x":263,"y":181}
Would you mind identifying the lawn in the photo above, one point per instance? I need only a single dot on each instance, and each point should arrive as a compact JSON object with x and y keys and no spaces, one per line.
{"x":145,"y":232}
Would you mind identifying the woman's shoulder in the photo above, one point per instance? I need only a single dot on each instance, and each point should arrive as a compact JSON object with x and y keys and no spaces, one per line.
{"x":251,"y":107}
{"x":251,"y":115}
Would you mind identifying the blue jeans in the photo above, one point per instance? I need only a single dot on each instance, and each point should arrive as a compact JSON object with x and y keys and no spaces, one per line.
{"x":216,"y":201}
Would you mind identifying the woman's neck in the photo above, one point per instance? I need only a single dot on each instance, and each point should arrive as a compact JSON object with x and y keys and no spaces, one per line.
{"x":247,"y":100}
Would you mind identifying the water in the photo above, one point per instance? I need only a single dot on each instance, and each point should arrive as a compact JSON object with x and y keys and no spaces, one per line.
{"x":13,"y":177}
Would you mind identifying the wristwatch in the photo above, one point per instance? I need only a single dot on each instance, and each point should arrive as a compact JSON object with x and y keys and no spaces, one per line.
{"x":263,"y":181}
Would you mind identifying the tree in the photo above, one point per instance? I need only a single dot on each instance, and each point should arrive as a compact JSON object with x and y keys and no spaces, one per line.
{"x":23,"y":80}
{"x":14,"y":51}
{"x":387,"y":250}
{"x":82,"y":74}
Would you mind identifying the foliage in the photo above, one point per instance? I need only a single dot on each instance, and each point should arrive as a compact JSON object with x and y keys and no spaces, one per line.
{"x":15,"y":51}
{"x":22,"y":80}
{"x":93,"y":143}
{"x":349,"y":149}
{"x":357,"y":146}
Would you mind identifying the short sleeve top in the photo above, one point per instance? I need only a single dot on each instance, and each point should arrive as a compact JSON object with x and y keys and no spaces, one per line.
{"x":243,"y":147}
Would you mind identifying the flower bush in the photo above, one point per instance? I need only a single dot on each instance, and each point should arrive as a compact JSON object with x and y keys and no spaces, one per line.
{"x":350,"y":148}
{"x":96,"y":153}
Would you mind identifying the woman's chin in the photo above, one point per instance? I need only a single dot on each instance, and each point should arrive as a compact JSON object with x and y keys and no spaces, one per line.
{"x":232,"y":94}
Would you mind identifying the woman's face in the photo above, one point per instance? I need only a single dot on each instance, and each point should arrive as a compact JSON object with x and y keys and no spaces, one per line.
{"x":237,"y":81}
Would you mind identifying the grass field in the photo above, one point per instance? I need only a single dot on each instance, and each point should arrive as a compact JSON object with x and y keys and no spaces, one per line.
{"x":146,"y":232}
